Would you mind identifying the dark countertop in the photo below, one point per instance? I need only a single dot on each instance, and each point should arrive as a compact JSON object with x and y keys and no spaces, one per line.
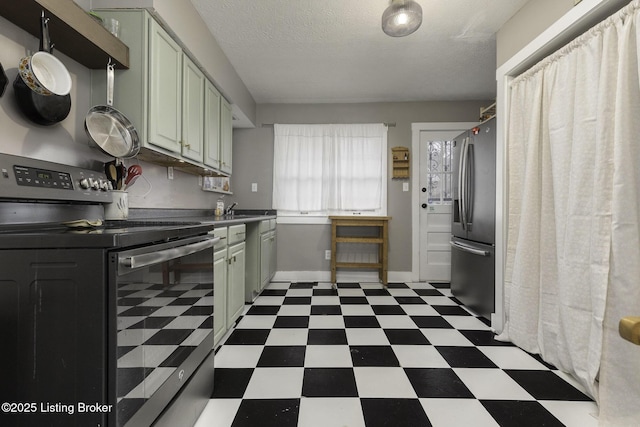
{"x":204,"y":216}
{"x":226,"y":220}
{"x":143,"y":226}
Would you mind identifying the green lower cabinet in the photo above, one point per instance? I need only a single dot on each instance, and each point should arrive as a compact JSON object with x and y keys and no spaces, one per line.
{"x":235,"y":280}
{"x":219,"y":294}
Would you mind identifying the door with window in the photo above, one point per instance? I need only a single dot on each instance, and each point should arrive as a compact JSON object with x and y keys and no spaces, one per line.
{"x":435,"y":181}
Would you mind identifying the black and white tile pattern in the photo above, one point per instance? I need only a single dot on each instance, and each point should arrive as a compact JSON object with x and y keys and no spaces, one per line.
{"x":307,"y":355}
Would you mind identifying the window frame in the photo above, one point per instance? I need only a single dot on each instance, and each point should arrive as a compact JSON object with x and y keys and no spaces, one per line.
{"x":322,"y":217}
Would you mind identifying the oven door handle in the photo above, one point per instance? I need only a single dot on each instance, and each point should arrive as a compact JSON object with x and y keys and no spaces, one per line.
{"x":152,"y":258}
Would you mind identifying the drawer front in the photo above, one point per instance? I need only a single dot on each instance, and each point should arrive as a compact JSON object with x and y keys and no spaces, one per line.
{"x":272,"y":224}
{"x":222,"y":233}
{"x":237,"y":233}
{"x":265,"y":225}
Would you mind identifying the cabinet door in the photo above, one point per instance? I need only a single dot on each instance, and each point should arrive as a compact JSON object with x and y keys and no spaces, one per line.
{"x":235,"y":280}
{"x":211,"y":126}
{"x":219,"y":294}
{"x":192,"y":110}
{"x":265,"y":257}
{"x":273,"y":259}
{"x":165,"y":89}
{"x":226,"y":129}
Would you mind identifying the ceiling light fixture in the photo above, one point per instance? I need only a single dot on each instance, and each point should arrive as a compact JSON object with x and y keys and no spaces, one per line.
{"x":401,"y":18}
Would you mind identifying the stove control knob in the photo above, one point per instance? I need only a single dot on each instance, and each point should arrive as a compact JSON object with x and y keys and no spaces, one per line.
{"x":94,"y":184}
{"x":104,"y":185}
{"x":84,"y":183}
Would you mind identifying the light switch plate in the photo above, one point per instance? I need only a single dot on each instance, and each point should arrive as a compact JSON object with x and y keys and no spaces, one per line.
{"x":405,"y":186}
{"x":170,"y":172}
{"x":254,"y":187}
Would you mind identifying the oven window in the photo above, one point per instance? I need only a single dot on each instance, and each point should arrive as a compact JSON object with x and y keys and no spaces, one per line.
{"x":164,"y":314}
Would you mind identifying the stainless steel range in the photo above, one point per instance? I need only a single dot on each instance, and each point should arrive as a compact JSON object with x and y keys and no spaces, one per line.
{"x":101,"y":325}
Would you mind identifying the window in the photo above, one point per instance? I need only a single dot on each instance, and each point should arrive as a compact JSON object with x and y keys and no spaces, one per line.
{"x":322,"y":170}
{"x":439,"y":173}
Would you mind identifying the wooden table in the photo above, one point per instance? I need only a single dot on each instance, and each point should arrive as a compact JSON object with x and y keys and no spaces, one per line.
{"x":381,"y":239}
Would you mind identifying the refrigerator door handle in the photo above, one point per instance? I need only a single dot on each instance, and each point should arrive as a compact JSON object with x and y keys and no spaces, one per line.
{"x":462,"y":184}
{"x":469,"y":191}
{"x":469,"y":249}
{"x":460,"y":200}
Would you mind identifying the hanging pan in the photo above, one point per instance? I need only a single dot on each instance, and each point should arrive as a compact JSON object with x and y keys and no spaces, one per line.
{"x":43,"y":83}
{"x":109,"y":129}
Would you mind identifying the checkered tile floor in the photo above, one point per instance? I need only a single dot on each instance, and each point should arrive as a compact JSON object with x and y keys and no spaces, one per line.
{"x":307,"y":355}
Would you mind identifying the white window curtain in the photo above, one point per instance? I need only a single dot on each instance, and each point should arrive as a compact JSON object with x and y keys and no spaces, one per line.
{"x":573,"y":252}
{"x":329,"y":168}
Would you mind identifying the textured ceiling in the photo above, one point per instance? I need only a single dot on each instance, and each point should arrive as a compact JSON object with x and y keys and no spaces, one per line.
{"x":316,"y":51}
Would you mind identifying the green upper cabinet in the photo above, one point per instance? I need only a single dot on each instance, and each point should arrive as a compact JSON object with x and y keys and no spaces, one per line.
{"x":193,"y":91}
{"x":212,"y":148}
{"x":165,"y":89}
{"x":181,"y":117}
{"x":226,"y":129}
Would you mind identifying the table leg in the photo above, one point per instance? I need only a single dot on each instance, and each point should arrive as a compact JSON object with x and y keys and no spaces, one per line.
{"x":385,"y":256}
{"x":334,"y":247}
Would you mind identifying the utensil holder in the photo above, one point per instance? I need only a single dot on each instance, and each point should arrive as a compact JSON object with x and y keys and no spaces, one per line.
{"x":119,"y":207}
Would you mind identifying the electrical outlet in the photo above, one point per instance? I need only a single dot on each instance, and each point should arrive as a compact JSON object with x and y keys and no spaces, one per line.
{"x":169,"y":172}
{"x":327,"y":254}
{"x":254,"y":187}
{"x":405,"y":186}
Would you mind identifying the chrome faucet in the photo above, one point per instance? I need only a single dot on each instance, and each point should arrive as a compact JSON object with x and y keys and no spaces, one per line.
{"x":229,"y":210}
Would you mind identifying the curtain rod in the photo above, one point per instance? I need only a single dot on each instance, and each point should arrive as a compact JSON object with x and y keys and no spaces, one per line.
{"x":389,"y":125}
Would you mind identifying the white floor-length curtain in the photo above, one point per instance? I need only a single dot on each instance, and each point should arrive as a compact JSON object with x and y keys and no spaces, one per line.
{"x":329,"y":167}
{"x":573,"y":252}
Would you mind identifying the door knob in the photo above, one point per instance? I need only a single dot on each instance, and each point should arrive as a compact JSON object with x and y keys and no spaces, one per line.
{"x":424,"y":206}
{"x":629,"y":329}
{"x":424,"y":189}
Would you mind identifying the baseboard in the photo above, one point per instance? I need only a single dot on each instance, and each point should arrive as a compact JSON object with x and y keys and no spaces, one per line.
{"x":344,"y":276}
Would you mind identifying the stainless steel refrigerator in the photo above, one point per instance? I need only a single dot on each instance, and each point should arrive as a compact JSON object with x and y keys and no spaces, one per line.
{"x":473,"y":226}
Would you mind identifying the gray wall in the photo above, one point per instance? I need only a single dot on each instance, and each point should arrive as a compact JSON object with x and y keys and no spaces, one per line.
{"x":534,"y":17}
{"x":538,"y":15}
{"x":301,"y":247}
